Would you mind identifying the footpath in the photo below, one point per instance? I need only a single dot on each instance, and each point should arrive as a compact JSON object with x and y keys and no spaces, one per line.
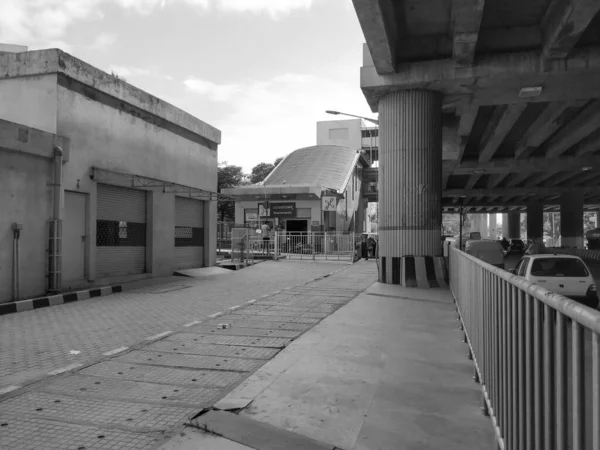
{"x":386,"y":371}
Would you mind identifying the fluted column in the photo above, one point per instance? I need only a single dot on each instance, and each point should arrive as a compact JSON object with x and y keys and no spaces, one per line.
{"x":410,"y":139}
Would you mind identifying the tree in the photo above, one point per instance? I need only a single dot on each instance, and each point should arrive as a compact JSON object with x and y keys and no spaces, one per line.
{"x":228,"y":177}
{"x":260,"y":172}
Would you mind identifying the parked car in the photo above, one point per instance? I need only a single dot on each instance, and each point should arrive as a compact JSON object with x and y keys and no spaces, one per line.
{"x":516,"y":246}
{"x":474,"y":236}
{"x":487,"y":250}
{"x":564,"y":274}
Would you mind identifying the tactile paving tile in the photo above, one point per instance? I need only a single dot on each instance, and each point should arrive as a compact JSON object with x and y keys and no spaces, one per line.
{"x":132,"y":390}
{"x":38,"y":434}
{"x":315,"y":315}
{"x":268,"y":318}
{"x":243,"y":331}
{"x":96,"y":411}
{"x":260,"y":324}
{"x":197,"y":348}
{"x":231,"y":340}
{"x":192,"y":361}
{"x":268,"y":313}
{"x":165,"y":375}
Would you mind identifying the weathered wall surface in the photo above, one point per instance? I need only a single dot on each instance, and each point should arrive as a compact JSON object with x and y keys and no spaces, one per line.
{"x":107,"y":138}
{"x":30,"y":101}
{"x":25,"y":198}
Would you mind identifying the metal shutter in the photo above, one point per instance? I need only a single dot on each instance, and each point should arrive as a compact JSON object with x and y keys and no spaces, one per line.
{"x":189,"y":233}
{"x":120,"y":231}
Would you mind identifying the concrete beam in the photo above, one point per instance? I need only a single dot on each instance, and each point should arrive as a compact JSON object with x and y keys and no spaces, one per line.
{"x":494,"y":79}
{"x":502,"y":126}
{"x":472,"y":181}
{"x":517,"y":191}
{"x":564,"y":23}
{"x":582,"y":125}
{"x":530,"y":165}
{"x":590,"y":144}
{"x":465,"y":125}
{"x":378,"y":22}
{"x":466,"y":15}
{"x":545,"y":125}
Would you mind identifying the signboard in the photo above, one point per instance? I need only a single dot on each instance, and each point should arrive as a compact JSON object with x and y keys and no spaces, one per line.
{"x":262,"y":211}
{"x":328,"y":203}
{"x":283,"y":209}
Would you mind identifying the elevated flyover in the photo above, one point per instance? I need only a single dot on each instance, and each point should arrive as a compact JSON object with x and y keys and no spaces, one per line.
{"x":492,"y":104}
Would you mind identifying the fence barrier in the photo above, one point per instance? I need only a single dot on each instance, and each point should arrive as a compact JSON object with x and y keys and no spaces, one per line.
{"x":536,"y":355}
{"x":245,"y":243}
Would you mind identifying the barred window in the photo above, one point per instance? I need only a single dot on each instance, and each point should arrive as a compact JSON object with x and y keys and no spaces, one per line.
{"x":112,"y":233}
{"x":189,"y":237}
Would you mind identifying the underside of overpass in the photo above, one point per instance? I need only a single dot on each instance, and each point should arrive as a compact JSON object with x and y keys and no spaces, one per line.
{"x":520,"y":83}
{"x":489,"y":104}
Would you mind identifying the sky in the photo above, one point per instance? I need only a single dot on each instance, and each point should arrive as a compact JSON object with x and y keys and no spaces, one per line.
{"x":261,"y":71}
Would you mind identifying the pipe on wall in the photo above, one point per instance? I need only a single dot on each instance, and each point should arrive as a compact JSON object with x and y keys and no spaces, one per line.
{"x":55,"y":244}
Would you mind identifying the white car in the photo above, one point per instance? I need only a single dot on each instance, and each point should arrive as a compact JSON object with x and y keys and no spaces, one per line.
{"x":564,"y":274}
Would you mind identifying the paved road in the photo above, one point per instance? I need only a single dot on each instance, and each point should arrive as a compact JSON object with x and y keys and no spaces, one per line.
{"x":169,"y":372}
{"x":37,"y":342}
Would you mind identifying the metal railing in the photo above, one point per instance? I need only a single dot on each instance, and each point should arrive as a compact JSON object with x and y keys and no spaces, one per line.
{"x":536,"y":355}
{"x":317,"y":246}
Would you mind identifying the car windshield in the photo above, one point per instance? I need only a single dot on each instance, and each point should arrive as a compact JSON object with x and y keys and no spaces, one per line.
{"x":558,"y":267}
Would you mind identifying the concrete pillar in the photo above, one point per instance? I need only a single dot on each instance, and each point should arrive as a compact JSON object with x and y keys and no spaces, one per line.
{"x":483,"y":226}
{"x":410,"y":138}
{"x":492,"y":227}
{"x":505,"y":226}
{"x":475,"y":223}
{"x":535,"y":220}
{"x":514,"y":225}
{"x":571,"y":219}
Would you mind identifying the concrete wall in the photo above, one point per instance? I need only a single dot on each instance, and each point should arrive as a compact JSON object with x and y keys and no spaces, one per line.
{"x":107,"y":138}
{"x":30,"y":101}
{"x":25,"y":198}
{"x":325,"y":135}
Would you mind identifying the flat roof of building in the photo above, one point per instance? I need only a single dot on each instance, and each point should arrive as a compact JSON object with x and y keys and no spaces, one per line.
{"x":48,"y":61}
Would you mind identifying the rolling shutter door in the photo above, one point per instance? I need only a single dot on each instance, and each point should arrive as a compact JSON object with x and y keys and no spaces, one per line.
{"x":120,"y":231}
{"x":189,"y":233}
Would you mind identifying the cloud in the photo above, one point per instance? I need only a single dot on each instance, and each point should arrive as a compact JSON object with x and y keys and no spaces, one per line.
{"x":29,"y":22}
{"x":275,"y":8}
{"x":213,"y":91}
{"x":103,"y":41}
{"x":137,"y":72}
{"x":265,"y":119}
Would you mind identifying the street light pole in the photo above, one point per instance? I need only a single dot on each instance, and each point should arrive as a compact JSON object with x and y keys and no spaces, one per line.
{"x":336,"y":113}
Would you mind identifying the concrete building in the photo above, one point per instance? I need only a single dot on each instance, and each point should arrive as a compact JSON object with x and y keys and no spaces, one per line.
{"x":315,"y":188}
{"x":351,"y":133}
{"x":100,"y":181}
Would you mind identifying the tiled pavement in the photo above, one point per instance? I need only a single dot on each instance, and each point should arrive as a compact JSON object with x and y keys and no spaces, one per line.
{"x":34,"y":343}
{"x":138,"y":397}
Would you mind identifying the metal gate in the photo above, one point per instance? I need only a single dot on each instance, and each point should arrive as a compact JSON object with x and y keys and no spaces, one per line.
{"x":120,"y":231}
{"x":189,"y":233}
